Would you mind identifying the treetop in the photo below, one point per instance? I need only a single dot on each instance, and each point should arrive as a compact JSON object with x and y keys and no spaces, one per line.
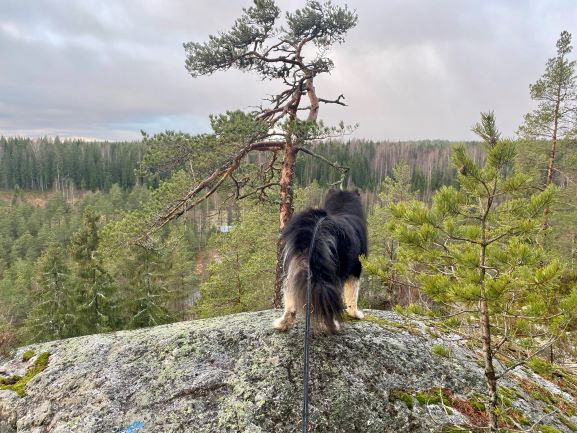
{"x":256,"y":41}
{"x":564,"y":44}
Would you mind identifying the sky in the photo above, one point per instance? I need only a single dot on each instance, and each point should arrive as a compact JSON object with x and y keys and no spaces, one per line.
{"x":411,"y":69}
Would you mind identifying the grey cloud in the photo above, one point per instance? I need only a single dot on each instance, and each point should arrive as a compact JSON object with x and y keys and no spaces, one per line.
{"x":411,"y":69}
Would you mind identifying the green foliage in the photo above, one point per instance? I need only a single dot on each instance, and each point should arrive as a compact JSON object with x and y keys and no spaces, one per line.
{"x":96,"y":287}
{"x":400,"y":395}
{"x":477,"y":248}
{"x":385,"y":287}
{"x":540,"y":366}
{"x":68,"y":283}
{"x":432,"y":396}
{"x":170,"y":152}
{"x":54,"y":313}
{"x":548,"y":429}
{"x":132,"y":225}
{"x":145,"y":293}
{"x":567,"y":422}
{"x":225,"y":160}
{"x":442,"y":351}
{"x":308,"y":196}
{"x":241,"y":276}
{"x":26,"y":356}
{"x":446,"y":237}
{"x":254,"y":35}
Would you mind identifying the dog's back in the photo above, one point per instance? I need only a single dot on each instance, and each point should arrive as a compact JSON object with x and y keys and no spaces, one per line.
{"x":334,"y":237}
{"x":346,"y":209}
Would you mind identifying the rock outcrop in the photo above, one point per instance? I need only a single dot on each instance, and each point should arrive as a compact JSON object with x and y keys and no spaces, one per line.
{"x":386,"y":373}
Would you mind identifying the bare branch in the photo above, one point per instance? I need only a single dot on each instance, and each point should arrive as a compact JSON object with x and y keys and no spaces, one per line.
{"x":334,"y":101}
{"x":211,"y":184}
{"x":322,"y":158}
{"x":259,"y":189}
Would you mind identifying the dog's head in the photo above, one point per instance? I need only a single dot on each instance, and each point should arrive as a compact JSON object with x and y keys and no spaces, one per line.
{"x":341,"y":201}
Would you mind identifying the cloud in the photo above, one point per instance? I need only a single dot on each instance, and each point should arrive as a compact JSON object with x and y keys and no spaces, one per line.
{"x":411,"y":69}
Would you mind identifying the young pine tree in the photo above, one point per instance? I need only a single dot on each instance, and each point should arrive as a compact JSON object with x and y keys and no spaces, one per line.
{"x":476,"y":250}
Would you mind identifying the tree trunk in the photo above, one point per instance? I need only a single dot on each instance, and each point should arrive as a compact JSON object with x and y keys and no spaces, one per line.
{"x":485,"y":322}
{"x":287,"y":175}
{"x":553,"y":151}
{"x":285,"y":213}
{"x":490,"y":377}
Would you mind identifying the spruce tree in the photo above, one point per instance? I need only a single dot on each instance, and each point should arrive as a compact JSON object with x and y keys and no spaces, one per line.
{"x":54,"y":302}
{"x":96,"y":305}
{"x":180,"y":274}
{"x":145,"y":295}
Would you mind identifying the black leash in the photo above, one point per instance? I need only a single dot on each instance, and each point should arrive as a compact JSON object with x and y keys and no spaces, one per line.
{"x":307,"y":334}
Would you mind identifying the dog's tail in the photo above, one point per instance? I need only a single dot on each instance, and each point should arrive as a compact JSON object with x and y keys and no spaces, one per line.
{"x":312,"y":234}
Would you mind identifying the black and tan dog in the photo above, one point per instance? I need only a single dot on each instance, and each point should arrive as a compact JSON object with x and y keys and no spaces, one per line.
{"x":340,"y":237}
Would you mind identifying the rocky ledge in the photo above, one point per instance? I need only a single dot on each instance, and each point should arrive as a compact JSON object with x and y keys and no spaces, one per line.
{"x":386,"y":373}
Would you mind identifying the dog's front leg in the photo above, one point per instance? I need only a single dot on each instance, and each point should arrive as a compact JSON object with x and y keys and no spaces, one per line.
{"x":352,"y":286}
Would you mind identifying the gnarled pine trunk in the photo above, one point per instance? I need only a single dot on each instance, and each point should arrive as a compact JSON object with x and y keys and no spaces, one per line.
{"x":285,"y":213}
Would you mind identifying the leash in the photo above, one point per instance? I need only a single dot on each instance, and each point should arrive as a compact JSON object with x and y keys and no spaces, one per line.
{"x":307,"y":334}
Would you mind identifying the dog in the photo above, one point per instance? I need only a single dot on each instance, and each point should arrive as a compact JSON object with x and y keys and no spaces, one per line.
{"x":339,"y":230}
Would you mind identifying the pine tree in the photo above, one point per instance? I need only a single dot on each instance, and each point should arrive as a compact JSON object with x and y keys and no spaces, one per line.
{"x":555,"y":117}
{"x":476,"y":249}
{"x":290,"y":51}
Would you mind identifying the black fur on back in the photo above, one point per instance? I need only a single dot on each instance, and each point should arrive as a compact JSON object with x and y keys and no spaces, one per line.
{"x":340,"y":239}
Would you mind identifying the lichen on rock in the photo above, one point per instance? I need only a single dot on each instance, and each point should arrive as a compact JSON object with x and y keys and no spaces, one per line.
{"x":236,"y":374}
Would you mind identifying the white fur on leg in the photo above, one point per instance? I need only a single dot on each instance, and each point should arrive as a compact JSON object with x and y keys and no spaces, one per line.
{"x":285,"y":322}
{"x":337,"y":326}
{"x":351,"y":292}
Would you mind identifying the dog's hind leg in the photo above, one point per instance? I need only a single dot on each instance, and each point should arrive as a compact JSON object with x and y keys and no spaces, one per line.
{"x":351,"y":292}
{"x":295,"y":270}
{"x":284,"y":322}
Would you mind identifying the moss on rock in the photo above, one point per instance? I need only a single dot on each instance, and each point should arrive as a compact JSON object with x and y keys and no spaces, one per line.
{"x":18,"y":383}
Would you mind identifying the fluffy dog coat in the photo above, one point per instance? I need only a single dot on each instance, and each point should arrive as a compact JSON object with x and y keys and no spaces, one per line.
{"x":340,"y":239}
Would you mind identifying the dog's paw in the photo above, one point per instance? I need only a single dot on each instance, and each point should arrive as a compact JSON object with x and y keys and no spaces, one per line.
{"x":356,"y":314}
{"x":281,"y":324}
